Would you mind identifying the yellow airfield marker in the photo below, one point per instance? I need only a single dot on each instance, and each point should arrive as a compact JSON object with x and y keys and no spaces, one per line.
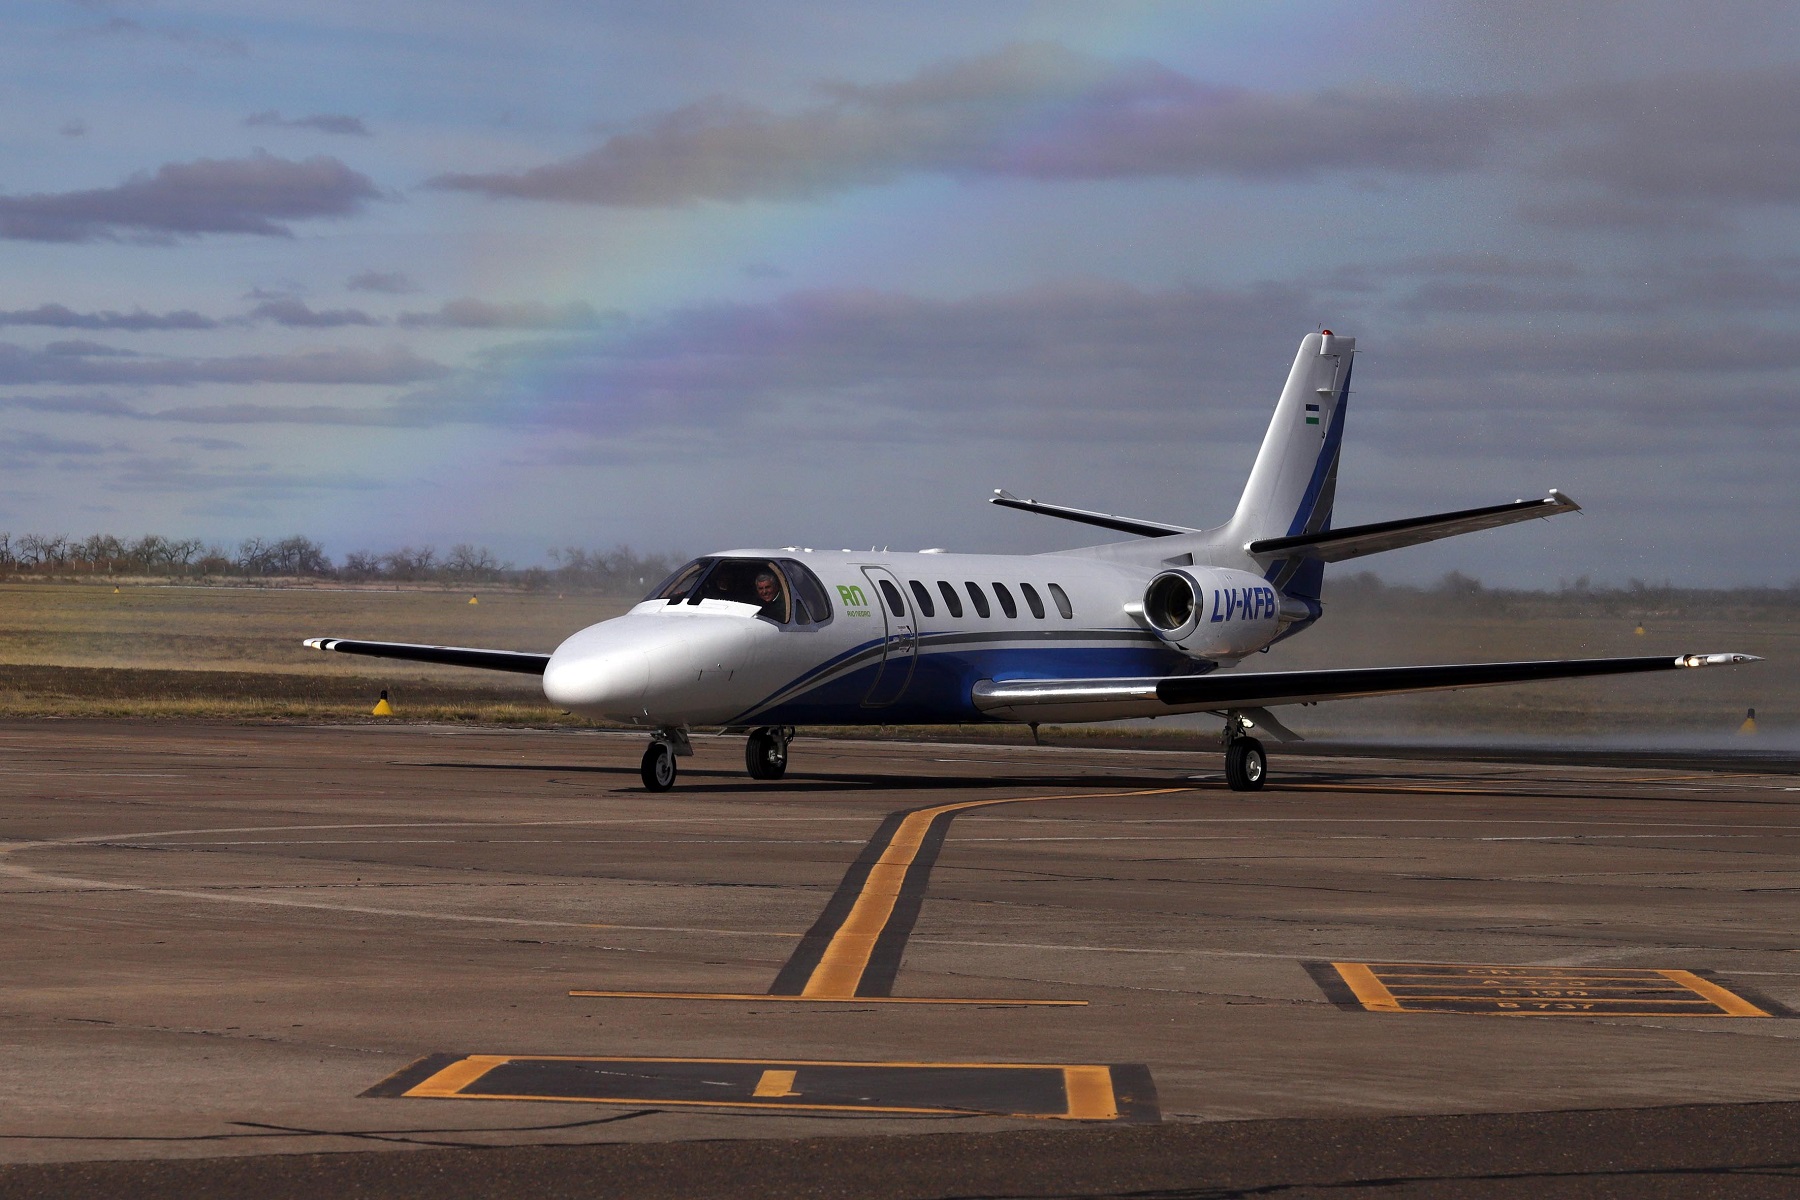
{"x":1749,"y":725}
{"x":473,"y":600}
{"x":115,"y":591}
{"x":382,"y":707}
{"x":1639,"y":631}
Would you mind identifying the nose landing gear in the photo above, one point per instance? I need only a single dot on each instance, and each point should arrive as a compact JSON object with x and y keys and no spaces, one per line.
{"x":658,"y":768}
{"x":766,"y":751}
{"x":1246,"y":766}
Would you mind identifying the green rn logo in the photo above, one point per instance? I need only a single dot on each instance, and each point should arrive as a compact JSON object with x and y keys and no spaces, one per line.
{"x":852,"y":596}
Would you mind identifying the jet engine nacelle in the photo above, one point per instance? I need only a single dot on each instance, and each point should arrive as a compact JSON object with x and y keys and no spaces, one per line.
{"x":1211,"y":612}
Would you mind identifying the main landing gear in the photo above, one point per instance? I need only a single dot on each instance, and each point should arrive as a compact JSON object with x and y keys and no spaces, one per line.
{"x":1246,"y":766}
{"x":766,"y":751}
{"x":666,"y":745}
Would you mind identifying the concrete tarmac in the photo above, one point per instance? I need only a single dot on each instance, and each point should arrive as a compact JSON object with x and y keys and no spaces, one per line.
{"x":222,"y":939}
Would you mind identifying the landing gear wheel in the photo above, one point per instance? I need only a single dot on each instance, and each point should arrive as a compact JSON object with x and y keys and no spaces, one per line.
{"x":766,"y":754}
{"x":659,"y":767}
{"x":1246,"y":766}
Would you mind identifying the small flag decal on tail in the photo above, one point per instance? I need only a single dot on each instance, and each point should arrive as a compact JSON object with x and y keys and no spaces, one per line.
{"x":1312,"y":414}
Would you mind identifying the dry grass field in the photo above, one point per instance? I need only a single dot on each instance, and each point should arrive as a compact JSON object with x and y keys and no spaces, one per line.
{"x":150,"y":649}
{"x":157,"y":649}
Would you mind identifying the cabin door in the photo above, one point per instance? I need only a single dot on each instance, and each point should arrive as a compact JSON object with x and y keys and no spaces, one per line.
{"x":900,"y":648}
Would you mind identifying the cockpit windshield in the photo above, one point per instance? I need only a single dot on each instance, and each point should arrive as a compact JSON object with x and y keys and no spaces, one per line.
{"x":783,"y":591}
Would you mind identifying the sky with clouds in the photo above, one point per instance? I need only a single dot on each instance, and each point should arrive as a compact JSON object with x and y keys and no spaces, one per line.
{"x":697,"y":275}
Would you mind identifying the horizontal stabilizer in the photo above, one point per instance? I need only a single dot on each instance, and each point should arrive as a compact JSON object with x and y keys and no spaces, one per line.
{"x":452,"y":656}
{"x":1114,"y":699}
{"x":1104,"y":520}
{"x":1336,"y":545}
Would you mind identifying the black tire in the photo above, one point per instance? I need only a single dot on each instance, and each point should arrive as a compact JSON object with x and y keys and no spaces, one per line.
{"x":659,"y":767}
{"x":1246,"y":766}
{"x":765,"y":755}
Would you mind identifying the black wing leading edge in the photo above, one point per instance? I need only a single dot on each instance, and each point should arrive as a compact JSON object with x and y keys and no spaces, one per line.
{"x":515,"y":661}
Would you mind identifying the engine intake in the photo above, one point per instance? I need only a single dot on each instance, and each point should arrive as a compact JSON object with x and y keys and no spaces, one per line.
{"x":1213,"y":613}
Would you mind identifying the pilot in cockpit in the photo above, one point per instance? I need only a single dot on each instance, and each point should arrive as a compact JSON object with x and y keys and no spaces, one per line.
{"x":768,"y":594}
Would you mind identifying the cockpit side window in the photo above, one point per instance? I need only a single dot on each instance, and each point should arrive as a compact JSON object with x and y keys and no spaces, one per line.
{"x":808,"y":591}
{"x":676,"y":587}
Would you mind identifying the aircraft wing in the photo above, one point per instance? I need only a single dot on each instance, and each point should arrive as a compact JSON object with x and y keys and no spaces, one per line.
{"x":1113,"y":699}
{"x":454,"y":656}
{"x":1336,"y":545}
{"x":1084,"y":516}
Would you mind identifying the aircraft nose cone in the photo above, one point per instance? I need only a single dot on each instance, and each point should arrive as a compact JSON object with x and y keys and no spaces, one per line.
{"x":598,"y":672}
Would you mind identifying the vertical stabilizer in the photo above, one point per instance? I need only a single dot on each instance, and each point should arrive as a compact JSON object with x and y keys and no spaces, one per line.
{"x":1294,"y":482}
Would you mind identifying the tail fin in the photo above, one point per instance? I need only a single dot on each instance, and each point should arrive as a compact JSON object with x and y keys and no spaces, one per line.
{"x":1294,"y":482}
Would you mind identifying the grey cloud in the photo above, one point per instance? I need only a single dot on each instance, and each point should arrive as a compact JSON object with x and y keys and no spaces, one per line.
{"x":83,"y":348}
{"x":483,"y":314}
{"x":214,"y":414}
{"x":393,"y":365}
{"x":1693,"y":137}
{"x":90,"y":405}
{"x":183,"y":475}
{"x":57,"y":316}
{"x":393,"y":283}
{"x":1031,"y":110}
{"x":297,"y":314}
{"x":1605,"y":212}
{"x":212,"y":45}
{"x":74,"y":129}
{"x":251,"y":195}
{"x":283,"y":414}
{"x":1070,"y":362}
{"x":323,"y":122}
{"x":16,"y":442}
{"x":1610,"y":352}
{"x":206,"y":443}
{"x":1659,"y":153}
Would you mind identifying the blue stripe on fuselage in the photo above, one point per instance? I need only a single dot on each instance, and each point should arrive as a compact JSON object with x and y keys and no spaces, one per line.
{"x":944,"y":680}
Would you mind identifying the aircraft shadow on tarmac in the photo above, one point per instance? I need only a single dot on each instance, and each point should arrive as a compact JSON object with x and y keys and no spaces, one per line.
{"x":711,"y":782}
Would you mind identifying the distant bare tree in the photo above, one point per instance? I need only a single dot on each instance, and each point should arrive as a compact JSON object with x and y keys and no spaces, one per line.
{"x":411,"y":564}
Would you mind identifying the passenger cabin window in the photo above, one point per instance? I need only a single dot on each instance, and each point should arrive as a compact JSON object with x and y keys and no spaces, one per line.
{"x":978,"y":596}
{"x":952,"y":601}
{"x":1032,"y":600}
{"x":1006,"y":601}
{"x":892,"y":595}
{"x":1062,"y":602}
{"x":922,"y":595}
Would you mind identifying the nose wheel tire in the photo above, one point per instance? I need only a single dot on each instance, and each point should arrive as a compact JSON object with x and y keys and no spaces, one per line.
{"x":1246,"y":766}
{"x":659,"y":767}
{"x":766,"y":754}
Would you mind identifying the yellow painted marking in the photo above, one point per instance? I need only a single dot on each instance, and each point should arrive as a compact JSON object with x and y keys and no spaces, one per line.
{"x":1369,"y":991}
{"x":747,"y":997}
{"x":1090,"y":1092}
{"x":448,"y":1082}
{"x":775,"y":1084}
{"x":1733,"y":1004}
{"x":1088,"y":1087}
{"x":1525,"y":990}
{"x":841,"y":967}
{"x":640,"y":1102}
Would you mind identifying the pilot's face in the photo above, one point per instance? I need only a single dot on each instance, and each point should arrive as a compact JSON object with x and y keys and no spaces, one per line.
{"x":766,"y":589}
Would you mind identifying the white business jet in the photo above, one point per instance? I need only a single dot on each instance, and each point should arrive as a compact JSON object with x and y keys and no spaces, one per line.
{"x":762,"y":641}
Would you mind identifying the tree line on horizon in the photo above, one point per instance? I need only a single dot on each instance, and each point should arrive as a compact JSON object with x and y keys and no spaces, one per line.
{"x":625,"y":571}
{"x":621,"y":569}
